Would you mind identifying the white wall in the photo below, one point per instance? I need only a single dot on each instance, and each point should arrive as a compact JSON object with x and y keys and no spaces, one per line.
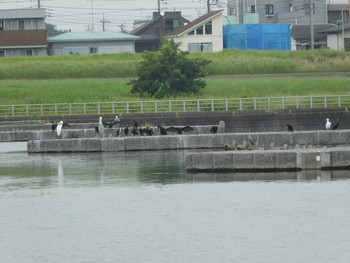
{"x":335,"y":41}
{"x":83,"y":48}
{"x":216,"y":38}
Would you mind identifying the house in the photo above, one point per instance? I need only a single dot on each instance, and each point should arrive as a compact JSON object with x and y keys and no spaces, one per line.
{"x":204,"y":34}
{"x":301,"y":36}
{"x":277,"y":11}
{"x":152,"y":32}
{"x":90,"y":42}
{"x":338,"y":38}
{"x":22,"y":32}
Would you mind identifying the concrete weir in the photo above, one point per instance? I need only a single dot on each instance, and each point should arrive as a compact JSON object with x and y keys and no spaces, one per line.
{"x":269,"y":161}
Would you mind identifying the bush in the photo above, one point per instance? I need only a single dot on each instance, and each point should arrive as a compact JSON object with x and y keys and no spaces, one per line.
{"x":169,"y":72}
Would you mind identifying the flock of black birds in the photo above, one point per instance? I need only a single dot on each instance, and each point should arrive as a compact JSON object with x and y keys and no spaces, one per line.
{"x":135,"y":130}
{"x":328,"y":125}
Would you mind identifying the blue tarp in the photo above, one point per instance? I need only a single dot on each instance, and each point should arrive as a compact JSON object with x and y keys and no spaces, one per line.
{"x":257,"y":36}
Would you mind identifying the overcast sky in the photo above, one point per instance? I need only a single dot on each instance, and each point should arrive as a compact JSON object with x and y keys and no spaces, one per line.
{"x":77,"y":14}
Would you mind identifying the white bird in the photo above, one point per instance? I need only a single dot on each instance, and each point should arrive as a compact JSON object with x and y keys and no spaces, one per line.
{"x":59,"y":128}
{"x":328,"y":124}
{"x":100,"y":128}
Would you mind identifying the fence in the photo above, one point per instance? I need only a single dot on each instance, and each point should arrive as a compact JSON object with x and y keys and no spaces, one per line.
{"x":232,"y":104}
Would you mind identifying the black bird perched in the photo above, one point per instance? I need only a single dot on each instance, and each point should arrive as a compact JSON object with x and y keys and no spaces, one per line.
{"x":336,"y":125}
{"x":110,"y":124}
{"x":180,"y":130}
{"x":141,"y":130}
{"x":126,"y":130}
{"x":54,"y":125}
{"x":213,"y":129}
{"x":149,"y":131}
{"x":290,"y":127}
{"x":134,"y":131}
{"x":162,"y":130}
{"x":136,"y":124}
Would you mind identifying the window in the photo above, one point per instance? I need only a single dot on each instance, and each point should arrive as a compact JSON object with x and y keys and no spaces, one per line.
{"x":191,"y":33}
{"x":21,"y":24}
{"x":208,"y":28}
{"x":26,"y":52}
{"x":269,"y":9}
{"x":199,"y":30}
{"x":171,"y":25}
{"x":93,"y":50}
{"x":2,"y":53}
{"x":252,"y":9}
{"x":2,"y":25}
{"x":200,"y":47}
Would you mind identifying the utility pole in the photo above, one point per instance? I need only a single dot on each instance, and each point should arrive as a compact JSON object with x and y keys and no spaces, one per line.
{"x":209,"y":4}
{"x":92,"y":14}
{"x":103,"y":21}
{"x":342,"y":29}
{"x":311,"y":10}
{"x":39,"y":5}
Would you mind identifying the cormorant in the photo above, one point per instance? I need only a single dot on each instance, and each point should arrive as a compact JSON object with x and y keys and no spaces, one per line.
{"x":290,"y":127}
{"x":162,"y":130}
{"x":336,"y":125}
{"x":110,"y":124}
{"x":213,"y":129}
{"x":180,"y":130}
{"x":126,"y":130}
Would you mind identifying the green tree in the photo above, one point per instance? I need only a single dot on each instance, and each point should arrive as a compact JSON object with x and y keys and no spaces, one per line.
{"x":169,"y":72}
{"x":52,"y":30}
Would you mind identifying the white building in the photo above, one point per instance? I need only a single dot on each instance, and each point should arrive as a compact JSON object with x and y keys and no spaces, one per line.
{"x":85,"y":43}
{"x":201,"y":35}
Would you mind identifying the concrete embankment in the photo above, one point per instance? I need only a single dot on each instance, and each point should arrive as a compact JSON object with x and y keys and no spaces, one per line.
{"x":269,"y":161}
{"x":193,"y":141}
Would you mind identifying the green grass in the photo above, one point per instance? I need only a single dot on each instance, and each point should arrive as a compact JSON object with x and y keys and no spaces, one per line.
{"x":124,"y":65}
{"x":108,"y":90}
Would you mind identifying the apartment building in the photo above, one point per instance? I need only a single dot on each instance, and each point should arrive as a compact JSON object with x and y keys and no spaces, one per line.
{"x":22,"y":32}
{"x":278,"y":11}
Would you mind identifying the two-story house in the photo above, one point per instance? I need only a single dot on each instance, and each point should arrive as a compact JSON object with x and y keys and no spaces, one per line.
{"x":152,"y":32}
{"x":22,"y":32}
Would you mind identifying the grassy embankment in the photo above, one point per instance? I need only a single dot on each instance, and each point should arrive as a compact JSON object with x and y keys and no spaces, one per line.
{"x":105,"y":77}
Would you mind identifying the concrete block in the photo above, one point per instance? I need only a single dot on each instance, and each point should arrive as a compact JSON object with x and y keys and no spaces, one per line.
{"x":325,"y":159}
{"x":203,"y":161}
{"x":93,"y":144}
{"x":50,"y":146}
{"x":264,"y":160}
{"x":223,"y":160}
{"x":283,"y":138}
{"x":303,"y":138}
{"x":24,"y":136}
{"x":189,"y":161}
{"x":66,"y":146}
{"x":340,"y":158}
{"x":286,"y":160}
{"x":112,"y":145}
{"x":243,"y":160}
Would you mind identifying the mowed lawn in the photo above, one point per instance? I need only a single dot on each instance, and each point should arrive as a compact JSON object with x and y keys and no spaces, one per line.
{"x":113,"y":89}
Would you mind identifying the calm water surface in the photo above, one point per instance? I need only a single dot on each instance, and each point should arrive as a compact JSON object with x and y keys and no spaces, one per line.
{"x":144,"y":207}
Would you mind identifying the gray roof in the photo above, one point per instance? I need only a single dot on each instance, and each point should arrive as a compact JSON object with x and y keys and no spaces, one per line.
{"x":89,"y":36}
{"x":302,"y":32}
{"x":336,"y":29}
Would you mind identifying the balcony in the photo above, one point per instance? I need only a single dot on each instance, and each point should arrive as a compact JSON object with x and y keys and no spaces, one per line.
{"x":23,"y":38}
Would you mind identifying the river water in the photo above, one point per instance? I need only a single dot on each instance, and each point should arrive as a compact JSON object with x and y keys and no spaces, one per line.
{"x":144,"y":207}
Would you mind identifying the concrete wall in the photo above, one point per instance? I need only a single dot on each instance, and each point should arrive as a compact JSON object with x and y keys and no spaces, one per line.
{"x":192,"y":141}
{"x":272,"y":160}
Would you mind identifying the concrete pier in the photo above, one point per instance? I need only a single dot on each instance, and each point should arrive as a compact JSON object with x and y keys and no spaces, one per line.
{"x":269,"y":161}
{"x":82,"y":143}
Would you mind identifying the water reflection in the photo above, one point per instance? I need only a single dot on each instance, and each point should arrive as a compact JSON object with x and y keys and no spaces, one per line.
{"x":22,"y":170}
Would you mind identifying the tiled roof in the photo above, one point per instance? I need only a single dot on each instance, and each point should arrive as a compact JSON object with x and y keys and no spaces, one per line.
{"x":92,"y":36}
{"x":196,"y":22}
